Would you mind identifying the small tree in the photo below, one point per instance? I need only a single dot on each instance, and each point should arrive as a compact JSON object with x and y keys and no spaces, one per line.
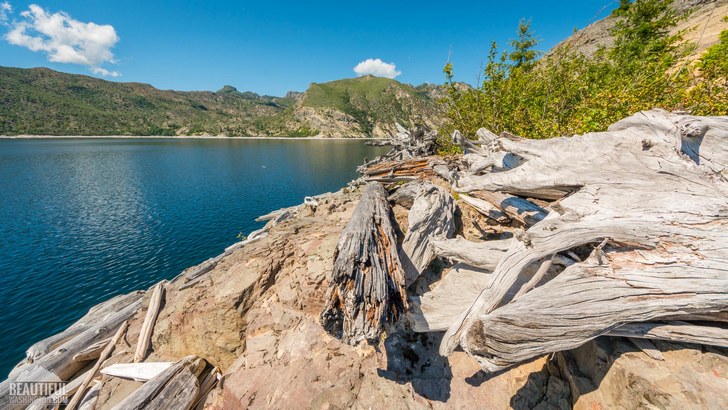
{"x":523,"y":54}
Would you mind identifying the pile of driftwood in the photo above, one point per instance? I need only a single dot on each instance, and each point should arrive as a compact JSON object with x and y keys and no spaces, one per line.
{"x":410,"y":158}
{"x":616,"y":233}
{"x":77,"y":357}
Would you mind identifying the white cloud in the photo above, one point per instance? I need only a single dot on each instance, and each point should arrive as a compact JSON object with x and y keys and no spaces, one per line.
{"x":5,"y":9}
{"x":64,"y":39}
{"x":376,"y":67}
{"x":105,"y":72}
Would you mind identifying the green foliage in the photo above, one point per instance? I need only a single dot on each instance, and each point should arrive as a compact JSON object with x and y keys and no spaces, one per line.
{"x":304,"y":130}
{"x":623,"y":8}
{"x":567,"y":93}
{"x":445,"y":146}
{"x":46,"y":102}
{"x":710,"y":94}
{"x":370,"y":100}
{"x":714,"y":62}
{"x":523,"y":54}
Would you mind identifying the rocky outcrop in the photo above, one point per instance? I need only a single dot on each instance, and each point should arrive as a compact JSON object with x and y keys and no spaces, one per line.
{"x":328,"y":122}
{"x":702,"y":27}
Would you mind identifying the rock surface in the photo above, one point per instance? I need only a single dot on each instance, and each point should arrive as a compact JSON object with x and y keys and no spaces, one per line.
{"x":255,"y":316}
{"x":702,"y":27}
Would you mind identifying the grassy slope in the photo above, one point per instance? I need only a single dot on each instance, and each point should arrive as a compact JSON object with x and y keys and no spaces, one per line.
{"x":46,"y":102}
{"x":43,"y":101}
{"x":371,"y":100}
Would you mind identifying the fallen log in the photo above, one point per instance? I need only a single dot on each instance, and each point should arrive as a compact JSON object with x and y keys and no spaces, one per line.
{"x":406,"y":145}
{"x":654,"y":187}
{"x":485,"y":208}
{"x":175,"y":388}
{"x":647,"y":348}
{"x":366,"y":290}
{"x":42,"y":403}
{"x":674,"y":331}
{"x":94,"y":315}
{"x":145,"y":335}
{"x":92,"y":352}
{"x":59,"y":363}
{"x":91,"y":397}
{"x":518,"y":209}
{"x":92,"y":373}
{"x":431,"y":216}
{"x":208,"y":382}
{"x":584,"y":302}
{"x":484,"y":255}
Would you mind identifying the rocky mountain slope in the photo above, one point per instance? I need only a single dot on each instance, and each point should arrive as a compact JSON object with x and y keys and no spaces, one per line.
{"x":703,"y":22}
{"x":46,"y":102}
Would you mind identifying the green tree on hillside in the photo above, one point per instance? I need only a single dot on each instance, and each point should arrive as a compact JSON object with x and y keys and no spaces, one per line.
{"x":524,"y":55}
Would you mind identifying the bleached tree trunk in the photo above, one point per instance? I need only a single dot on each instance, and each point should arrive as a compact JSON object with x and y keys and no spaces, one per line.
{"x":431,"y":216}
{"x":367,"y":287}
{"x":653,"y":186}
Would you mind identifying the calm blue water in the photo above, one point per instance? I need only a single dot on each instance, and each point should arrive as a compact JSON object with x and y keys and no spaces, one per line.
{"x":83,"y":220}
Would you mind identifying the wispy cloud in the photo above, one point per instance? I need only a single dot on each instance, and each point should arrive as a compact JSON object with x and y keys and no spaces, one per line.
{"x":63,"y":38}
{"x":5,"y":9}
{"x":376,"y":67}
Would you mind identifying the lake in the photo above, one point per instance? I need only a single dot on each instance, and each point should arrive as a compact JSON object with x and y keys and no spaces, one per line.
{"x":82,"y":220}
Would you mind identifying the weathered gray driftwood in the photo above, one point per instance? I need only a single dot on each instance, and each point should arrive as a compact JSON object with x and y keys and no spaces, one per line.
{"x":436,"y":310}
{"x":76,"y":399}
{"x":91,"y":397}
{"x":175,"y":388}
{"x":94,"y":315}
{"x":145,"y":334}
{"x":59,"y":361}
{"x":91,"y":352}
{"x":42,"y":403}
{"x":207,"y":382}
{"x":406,"y":144}
{"x":140,"y":372}
{"x":366,"y":290}
{"x":675,"y":331}
{"x":655,"y":186}
{"x":431,"y":216}
{"x":518,"y":209}
{"x":484,"y":255}
{"x":485,"y":208}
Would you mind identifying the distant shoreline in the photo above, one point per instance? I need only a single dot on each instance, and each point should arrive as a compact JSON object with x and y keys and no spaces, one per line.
{"x":180,"y":137}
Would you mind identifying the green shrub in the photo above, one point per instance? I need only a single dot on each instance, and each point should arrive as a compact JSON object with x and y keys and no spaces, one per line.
{"x":567,"y":93}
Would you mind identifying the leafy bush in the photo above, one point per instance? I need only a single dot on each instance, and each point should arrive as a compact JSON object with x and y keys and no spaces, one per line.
{"x":567,"y":93}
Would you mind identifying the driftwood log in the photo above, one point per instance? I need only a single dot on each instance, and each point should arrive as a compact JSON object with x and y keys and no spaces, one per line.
{"x":95,"y":314}
{"x":76,"y":399}
{"x":431,"y":216}
{"x":406,"y":144}
{"x":649,"y":197}
{"x":175,"y":388}
{"x":58,"y":363}
{"x":145,"y":335}
{"x":140,"y":372}
{"x":366,"y":290}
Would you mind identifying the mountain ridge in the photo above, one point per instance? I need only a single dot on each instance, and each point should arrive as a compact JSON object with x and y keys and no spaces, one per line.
{"x":42,"y":101}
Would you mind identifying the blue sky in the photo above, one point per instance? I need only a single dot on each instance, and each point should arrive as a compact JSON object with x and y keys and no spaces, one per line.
{"x":272,"y":47}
